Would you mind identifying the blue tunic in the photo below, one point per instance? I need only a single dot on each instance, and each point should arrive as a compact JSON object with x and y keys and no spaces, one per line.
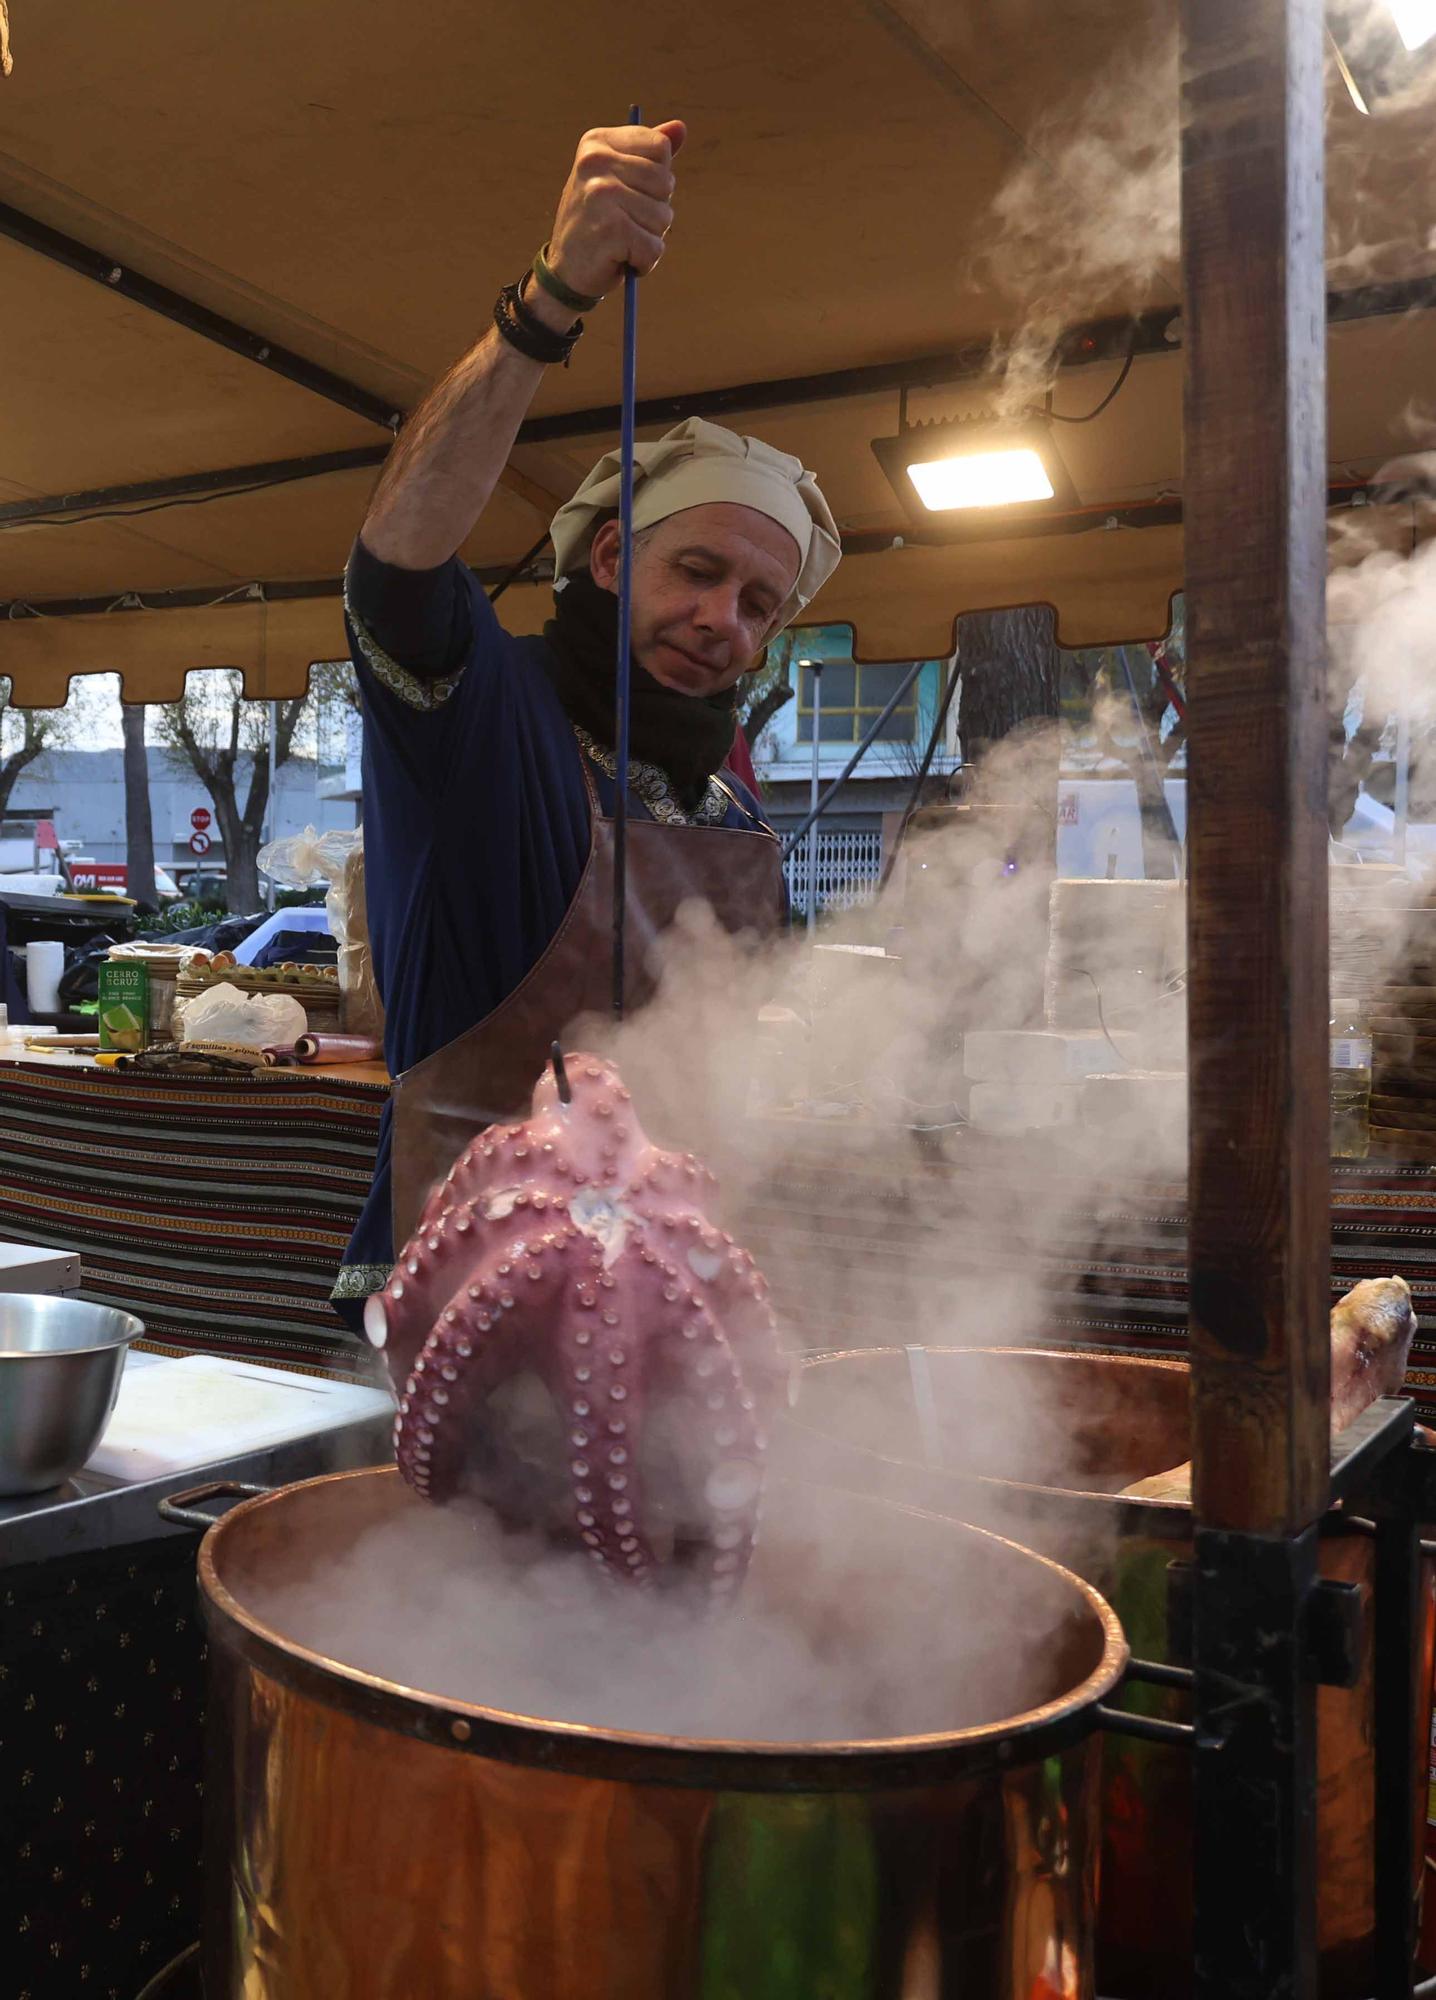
{"x":476,"y":833}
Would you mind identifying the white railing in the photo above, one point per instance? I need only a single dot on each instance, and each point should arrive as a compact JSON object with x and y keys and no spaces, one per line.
{"x":849,"y":864}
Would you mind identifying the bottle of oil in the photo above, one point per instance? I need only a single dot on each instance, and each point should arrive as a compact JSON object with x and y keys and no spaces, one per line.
{"x":1350,"y":1082}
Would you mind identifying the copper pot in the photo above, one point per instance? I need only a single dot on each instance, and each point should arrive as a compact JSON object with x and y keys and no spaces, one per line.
{"x":1097,"y":1423}
{"x":367,"y":1841}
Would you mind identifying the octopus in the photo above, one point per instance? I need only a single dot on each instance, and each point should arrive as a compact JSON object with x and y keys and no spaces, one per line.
{"x":1371,"y":1333}
{"x":571,"y":1341}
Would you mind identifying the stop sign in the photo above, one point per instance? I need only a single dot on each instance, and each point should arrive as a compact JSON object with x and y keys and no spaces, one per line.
{"x":199,"y":819}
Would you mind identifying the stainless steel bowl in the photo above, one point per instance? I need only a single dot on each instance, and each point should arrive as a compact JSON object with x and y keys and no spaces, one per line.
{"x":60,"y":1367}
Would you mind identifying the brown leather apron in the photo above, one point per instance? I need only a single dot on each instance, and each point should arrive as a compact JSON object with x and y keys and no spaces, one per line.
{"x":488,"y":1074}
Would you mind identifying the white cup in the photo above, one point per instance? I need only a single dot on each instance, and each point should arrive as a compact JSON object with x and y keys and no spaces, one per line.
{"x":44,"y":963}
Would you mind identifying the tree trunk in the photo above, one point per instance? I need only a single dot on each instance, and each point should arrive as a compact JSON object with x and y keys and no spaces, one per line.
{"x":241,"y":859}
{"x":16,"y":762}
{"x":139,"y":823}
{"x":1011,"y":675}
{"x":1008,"y":719}
{"x":1161,"y":850}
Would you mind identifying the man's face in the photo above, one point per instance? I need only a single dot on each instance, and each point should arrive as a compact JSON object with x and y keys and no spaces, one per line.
{"x":707,"y":588}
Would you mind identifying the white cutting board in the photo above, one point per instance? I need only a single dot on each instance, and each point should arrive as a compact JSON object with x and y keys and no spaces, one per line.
{"x":180,"y":1415}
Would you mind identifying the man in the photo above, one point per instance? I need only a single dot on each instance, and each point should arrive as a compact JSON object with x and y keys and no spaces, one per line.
{"x":488,"y":765}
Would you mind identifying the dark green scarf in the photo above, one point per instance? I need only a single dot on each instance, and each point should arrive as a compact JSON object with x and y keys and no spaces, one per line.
{"x":687,"y":736}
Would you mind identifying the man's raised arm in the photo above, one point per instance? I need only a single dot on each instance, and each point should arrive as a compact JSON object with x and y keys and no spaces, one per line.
{"x":615,"y":211}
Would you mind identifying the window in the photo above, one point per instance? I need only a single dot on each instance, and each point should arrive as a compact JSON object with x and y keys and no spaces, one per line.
{"x":852,"y":698}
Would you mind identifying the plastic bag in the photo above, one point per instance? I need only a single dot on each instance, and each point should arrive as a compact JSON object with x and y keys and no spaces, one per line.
{"x":338,"y":859}
{"x":250,"y":1020}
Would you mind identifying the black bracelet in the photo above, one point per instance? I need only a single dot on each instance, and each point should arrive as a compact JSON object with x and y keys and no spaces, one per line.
{"x":524,"y":330}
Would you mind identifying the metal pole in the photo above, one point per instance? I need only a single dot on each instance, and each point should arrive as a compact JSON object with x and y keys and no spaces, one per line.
{"x":795,"y":838}
{"x":273,"y":814}
{"x":815,"y":668}
{"x":625,"y":622}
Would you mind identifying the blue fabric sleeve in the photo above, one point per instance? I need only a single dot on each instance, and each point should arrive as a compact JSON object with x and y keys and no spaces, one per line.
{"x":419,"y":616}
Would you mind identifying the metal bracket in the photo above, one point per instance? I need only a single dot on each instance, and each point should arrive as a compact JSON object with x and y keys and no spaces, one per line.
{"x":183,"y":1508}
{"x":1333,"y":1633}
{"x":1378,"y":1434}
{"x":1333,"y":1627}
{"x":1150,"y":1728}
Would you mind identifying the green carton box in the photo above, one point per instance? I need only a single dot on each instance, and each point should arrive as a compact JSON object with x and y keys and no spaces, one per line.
{"x":124,"y":1006}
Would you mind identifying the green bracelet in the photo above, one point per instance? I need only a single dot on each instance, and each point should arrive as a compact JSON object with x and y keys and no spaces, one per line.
{"x":553,"y":284}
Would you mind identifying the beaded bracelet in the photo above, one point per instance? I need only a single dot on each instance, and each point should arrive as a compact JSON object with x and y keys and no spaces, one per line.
{"x":524,"y":330}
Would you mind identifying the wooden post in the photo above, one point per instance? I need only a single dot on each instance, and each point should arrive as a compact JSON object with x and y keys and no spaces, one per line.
{"x":1255,"y":486}
{"x":1255,"y":481}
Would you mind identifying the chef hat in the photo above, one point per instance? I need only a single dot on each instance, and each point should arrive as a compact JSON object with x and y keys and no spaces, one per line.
{"x":693,"y":465}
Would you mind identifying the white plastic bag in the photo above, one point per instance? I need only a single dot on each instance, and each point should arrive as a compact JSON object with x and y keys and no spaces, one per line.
{"x":338,"y":859}
{"x":251,"y":1020}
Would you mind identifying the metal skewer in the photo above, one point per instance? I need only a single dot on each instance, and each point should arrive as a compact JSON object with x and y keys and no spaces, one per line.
{"x":560,"y":1074}
{"x":625,"y":621}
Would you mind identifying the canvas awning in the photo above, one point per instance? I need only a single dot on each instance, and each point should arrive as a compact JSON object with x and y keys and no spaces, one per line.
{"x":349,"y":185}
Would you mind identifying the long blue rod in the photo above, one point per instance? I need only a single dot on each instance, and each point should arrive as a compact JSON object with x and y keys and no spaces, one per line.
{"x":625,"y":622}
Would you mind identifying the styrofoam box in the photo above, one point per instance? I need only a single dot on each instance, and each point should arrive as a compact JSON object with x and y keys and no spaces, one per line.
{"x":1010,"y":1109}
{"x":1034,"y":1056}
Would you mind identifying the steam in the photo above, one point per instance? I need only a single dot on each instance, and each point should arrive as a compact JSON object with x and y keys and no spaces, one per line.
{"x":448,"y":1601}
{"x":828,"y":1091}
{"x":1089,"y":221}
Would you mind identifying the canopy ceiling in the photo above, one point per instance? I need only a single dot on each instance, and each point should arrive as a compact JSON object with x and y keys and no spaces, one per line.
{"x":352,"y":183}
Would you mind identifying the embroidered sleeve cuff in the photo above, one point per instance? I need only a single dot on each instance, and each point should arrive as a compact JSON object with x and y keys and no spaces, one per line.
{"x":412,"y":689}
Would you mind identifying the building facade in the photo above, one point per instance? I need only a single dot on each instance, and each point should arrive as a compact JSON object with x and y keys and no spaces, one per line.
{"x":83,"y":793}
{"x":838,"y":699}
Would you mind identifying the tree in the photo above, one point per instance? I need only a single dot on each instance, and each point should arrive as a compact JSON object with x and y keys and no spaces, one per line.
{"x":1011,"y":742}
{"x":222,"y":734}
{"x":25,"y":735}
{"x":139,"y":822}
{"x":1138,"y":712}
{"x":767,"y":691}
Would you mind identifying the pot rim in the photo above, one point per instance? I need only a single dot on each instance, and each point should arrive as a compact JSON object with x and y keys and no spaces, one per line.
{"x":627,"y":1756}
{"x":1136,"y":1513}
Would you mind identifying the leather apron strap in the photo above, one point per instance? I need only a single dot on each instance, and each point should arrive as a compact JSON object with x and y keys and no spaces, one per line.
{"x":487,"y":1075}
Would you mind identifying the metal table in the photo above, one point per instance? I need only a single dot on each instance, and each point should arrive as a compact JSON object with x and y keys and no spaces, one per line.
{"x":101,"y":1719}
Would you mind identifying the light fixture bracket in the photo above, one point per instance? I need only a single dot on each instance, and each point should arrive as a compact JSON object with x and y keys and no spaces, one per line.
{"x":950,"y":438}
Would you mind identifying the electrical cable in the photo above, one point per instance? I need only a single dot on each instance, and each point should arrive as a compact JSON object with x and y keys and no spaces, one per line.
{"x":1057,"y":417}
{"x":158,"y":506}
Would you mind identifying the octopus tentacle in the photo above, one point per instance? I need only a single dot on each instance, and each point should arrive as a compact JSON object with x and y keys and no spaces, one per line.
{"x":731,"y":1444}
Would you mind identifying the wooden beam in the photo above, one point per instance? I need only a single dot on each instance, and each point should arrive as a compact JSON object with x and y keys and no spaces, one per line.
{"x":1255,"y":490}
{"x":1252,"y":249}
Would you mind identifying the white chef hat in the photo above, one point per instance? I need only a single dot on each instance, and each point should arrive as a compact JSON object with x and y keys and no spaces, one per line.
{"x":693,"y":465}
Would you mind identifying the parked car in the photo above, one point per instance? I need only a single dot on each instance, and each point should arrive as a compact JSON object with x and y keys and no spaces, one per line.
{"x":208,"y":886}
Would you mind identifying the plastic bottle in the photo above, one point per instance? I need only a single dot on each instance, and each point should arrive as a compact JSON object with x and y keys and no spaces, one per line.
{"x":1350,"y":1082}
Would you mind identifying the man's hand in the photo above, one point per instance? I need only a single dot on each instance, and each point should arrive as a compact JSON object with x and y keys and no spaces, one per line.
{"x":617,"y":206}
{"x":615,"y":212}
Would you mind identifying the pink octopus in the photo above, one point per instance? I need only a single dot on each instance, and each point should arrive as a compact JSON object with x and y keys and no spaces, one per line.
{"x":571,"y":1250}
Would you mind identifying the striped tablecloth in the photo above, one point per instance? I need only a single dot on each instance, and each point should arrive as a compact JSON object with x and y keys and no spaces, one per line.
{"x":215,"y":1208}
